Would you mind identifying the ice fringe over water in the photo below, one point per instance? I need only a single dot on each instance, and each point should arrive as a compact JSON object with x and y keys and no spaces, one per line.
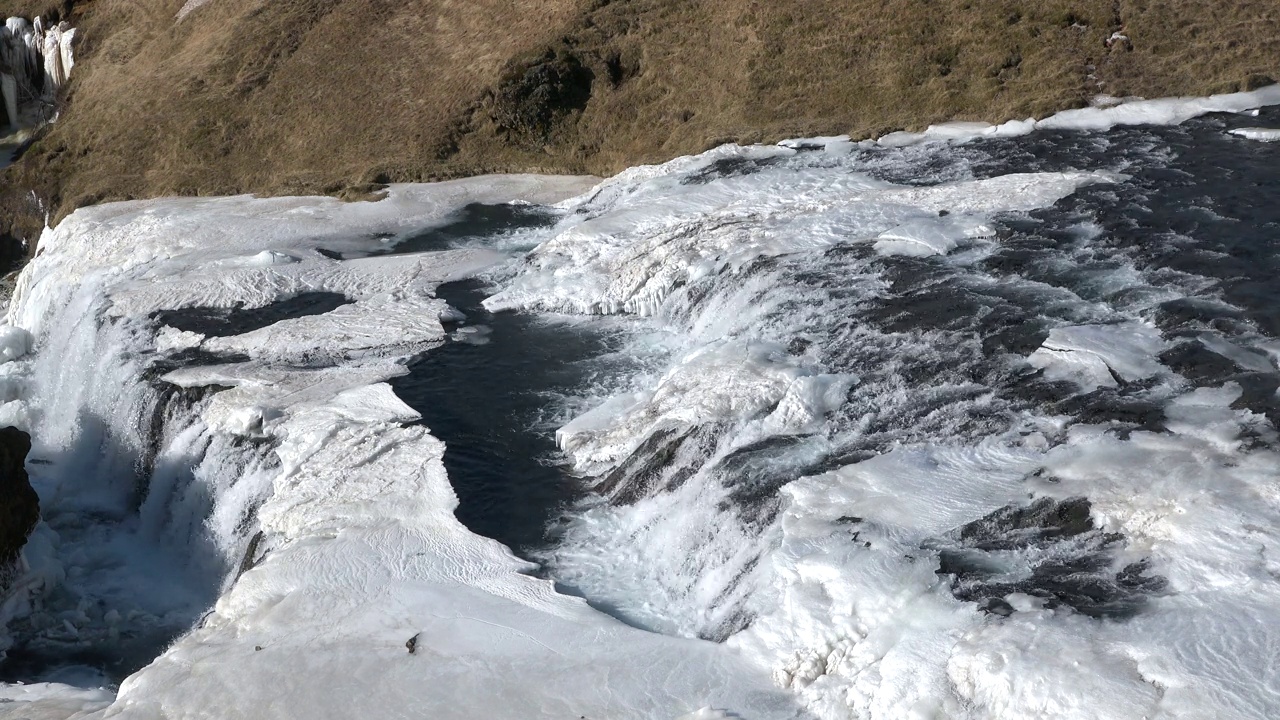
{"x":837,"y":587}
{"x":293,"y":478}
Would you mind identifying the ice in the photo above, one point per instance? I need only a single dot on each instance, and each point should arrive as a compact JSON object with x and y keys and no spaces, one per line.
{"x":865,"y":628}
{"x":645,"y":234}
{"x":33,"y":57}
{"x":726,"y":380}
{"x":1096,"y":356}
{"x":52,"y":701}
{"x":771,"y":473}
{"x":1101,"y":116}
{"x":930,"y":237}
{"x":292,"y":485}
{"x":189,"y":7}
{"x":1257,"y":133}
{"x":14,"y":342}
{"x":839,"y":588}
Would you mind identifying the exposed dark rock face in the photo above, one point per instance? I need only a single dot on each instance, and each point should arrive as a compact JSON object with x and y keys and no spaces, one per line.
{"x":19,"y":506}
{"x":532,"y":98}
{"x":1050,"y":550}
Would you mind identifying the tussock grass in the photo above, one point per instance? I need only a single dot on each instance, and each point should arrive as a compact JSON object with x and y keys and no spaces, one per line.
{"x":338,"y":96}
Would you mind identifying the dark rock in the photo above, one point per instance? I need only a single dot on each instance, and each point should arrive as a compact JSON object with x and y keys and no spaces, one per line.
{"x":532,"y":98}
{"x":996,"y":606}
{"x":1255,"y":81}
{"x":19,"y":506}
{"x":1049,"y":549}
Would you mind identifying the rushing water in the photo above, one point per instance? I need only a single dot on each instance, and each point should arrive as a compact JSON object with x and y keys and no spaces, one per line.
{"x":491,"y":396}
{"x":826,"y":453}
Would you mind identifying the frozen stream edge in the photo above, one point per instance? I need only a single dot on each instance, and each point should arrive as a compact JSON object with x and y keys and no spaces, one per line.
{"x":371,"y":598}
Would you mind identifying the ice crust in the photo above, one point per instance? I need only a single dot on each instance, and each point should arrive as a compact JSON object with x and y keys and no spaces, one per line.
{"x":362,"y":595}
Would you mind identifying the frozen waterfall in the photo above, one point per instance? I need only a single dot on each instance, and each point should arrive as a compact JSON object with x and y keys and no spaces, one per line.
{"x":34,"y":63}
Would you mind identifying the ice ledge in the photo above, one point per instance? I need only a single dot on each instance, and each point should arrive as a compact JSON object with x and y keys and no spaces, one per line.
{"x":1164,"y":111}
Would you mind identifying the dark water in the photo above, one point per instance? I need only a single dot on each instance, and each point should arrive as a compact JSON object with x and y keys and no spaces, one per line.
{"x":221,"y":322}
{"x":472,"y":223}
{"x":490,"y":401}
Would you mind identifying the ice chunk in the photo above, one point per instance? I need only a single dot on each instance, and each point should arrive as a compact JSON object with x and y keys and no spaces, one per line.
{"x":1257,"y":133}
{"x":932,"y":236}
{"x":1096,"y":356}
{"x":14,"y":343}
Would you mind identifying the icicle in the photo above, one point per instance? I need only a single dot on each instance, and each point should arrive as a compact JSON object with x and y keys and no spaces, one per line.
{"x":9,"y":88}
{"x":68,"y":60}
{"x":38,"y":60}
{"x":52,"y":52}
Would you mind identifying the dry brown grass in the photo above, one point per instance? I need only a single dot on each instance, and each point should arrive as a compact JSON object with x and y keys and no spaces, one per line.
{"x":291,"y":96}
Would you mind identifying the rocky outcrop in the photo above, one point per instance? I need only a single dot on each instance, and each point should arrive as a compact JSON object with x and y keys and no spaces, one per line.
{"x":19,"y":506}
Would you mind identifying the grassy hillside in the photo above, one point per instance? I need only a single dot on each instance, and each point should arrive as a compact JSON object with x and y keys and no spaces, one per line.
{"x":336,"y":96}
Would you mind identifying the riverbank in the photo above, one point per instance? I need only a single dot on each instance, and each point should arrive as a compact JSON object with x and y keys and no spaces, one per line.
{"x":228,"y":96}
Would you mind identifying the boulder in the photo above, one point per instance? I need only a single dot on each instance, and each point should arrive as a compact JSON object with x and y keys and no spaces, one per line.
{"x":19,"y":505}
